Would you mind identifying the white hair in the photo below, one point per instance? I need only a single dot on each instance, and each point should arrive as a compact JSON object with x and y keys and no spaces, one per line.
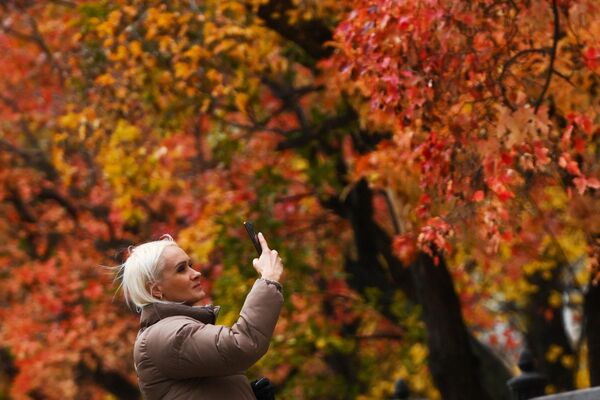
{"x":142,"y":269}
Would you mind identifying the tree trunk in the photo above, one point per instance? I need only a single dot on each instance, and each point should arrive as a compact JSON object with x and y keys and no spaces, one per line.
{"x":545,"y":327}
{"x":453,"y":366}
{"x":454,"y":353}
{"x":111,"y":381}
{"x":592,"y":331}
{"x":8,"y":371}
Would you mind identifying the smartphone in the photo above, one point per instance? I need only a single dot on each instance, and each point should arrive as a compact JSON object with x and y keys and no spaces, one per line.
{"x":250,"y":229}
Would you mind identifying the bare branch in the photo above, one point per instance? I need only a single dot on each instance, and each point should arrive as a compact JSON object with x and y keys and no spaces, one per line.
{"x":33,"y":158}
{"x":506,"y":69}
{"x":65,"y":3}
{"x":39,"y":39}
{"x":11,"y":148}
{"x":310,"y":35}
{"x":36,"y":37}
{"x":317,"y":132}
{"x":563,"y":76}
{"x":15,"y":198}
{"x":380,"y":336}
{"x":51,"y":194}
{"x":261,"y":127}
{"x":555,"y":39}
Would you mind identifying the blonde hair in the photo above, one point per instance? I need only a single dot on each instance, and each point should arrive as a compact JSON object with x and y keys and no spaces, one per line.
{"x":141,"y":270}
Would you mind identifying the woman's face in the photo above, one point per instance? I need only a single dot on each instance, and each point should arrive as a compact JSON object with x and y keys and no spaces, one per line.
{"x":179,"y":282}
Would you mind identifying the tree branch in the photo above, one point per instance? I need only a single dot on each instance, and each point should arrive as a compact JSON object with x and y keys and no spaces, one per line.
{"x":314,"y":133}
{"x":506,"y":68}
{"x":35,"y":159}
{"x":37,"y":38}
{"x":555,"y":39}
{"x":309,"y":35}
{"x":51,"y":194}
{"x":563,"y":76}
{"x":11,"y":148}
{"x":382,"y":335}
{"x":65,"y":3}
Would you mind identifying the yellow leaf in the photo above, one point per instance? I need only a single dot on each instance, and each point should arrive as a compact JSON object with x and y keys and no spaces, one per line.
{"x":568,"y":361}
{"x":555,"y":299}
{"x":224,"y":45}
{"x":69,"y":121}
{"x":120,"y":55}
{"x":135,"y":48}
{"x":241,"y":101}
{"x":554,"y":351}
{"x":104,"y":80}
{"x":321,"y":343}
{"x":195,"y":53}
{"x":418,"y":353}
{"x":213,"y":75}
{"x":182,"y":70}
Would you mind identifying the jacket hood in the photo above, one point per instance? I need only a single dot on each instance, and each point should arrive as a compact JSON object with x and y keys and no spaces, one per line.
{"x":152,"y":313}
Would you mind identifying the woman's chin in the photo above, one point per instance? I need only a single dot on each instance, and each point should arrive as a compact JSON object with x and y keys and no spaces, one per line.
{"x":197,"y":299}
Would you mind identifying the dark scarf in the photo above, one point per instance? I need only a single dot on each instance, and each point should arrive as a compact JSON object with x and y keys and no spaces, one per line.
{"x":152,"y":313}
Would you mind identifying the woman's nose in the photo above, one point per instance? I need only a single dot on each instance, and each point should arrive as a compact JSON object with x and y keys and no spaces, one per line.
{"x":195,"y":274}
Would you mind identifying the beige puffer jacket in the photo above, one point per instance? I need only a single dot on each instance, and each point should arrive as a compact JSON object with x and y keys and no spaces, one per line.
{"x":180,"y":354}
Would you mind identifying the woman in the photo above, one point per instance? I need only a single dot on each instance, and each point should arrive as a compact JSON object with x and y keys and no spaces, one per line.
{"x":179,"y":352}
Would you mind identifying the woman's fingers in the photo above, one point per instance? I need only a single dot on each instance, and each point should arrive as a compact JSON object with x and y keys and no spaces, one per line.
{"x":263,"y":242}
{"x":269,"y":264}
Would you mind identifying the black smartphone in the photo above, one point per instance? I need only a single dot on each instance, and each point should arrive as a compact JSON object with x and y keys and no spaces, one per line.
{"x":250,"y":229}
{"x":261,"y":383}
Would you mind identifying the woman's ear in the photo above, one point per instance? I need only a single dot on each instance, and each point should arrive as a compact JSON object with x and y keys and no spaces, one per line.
{"x":156,"y":291}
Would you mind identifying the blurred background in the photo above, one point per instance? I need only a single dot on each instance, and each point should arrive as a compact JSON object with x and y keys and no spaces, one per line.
{"x":427,"y":169}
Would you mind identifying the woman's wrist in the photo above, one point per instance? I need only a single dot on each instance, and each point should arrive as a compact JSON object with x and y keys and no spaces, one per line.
{"x":272,"y":278}
{"x":274,"y":283}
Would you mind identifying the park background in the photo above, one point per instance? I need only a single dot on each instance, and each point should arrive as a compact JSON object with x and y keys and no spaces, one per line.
{"x":428,"y":170}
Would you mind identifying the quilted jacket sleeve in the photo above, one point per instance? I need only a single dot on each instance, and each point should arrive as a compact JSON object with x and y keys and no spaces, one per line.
{"x":186,"y":348}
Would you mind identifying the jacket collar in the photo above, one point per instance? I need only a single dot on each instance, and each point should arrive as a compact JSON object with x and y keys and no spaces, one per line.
{"x":152,"y":313}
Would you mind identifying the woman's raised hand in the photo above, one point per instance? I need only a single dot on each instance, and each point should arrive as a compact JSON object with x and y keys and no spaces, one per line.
{"x":269,"y":264}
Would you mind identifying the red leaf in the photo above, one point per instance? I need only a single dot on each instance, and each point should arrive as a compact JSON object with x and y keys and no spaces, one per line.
{"x":579,"y":144}
{"x":493,"y":339}
{"x":592,"y":57}
{"x":541,"y":153}
{"x":580,"y":184}
{"x":585,"y":123}
{"x":565,"y":141}
{"x":593,"y":183}
{"x":405,"y":249}
{"x":506,"y":158}
{"x":505,"y":195}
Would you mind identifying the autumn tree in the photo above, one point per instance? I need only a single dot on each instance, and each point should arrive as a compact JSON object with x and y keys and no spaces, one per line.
{"x":426,"y":168}
{"x":492,"y":112}
{"x":134,"y":141}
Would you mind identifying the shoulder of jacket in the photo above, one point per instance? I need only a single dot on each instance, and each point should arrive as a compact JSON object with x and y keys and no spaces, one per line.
{"x":170,"y":326}
{"x":163,"y":340}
